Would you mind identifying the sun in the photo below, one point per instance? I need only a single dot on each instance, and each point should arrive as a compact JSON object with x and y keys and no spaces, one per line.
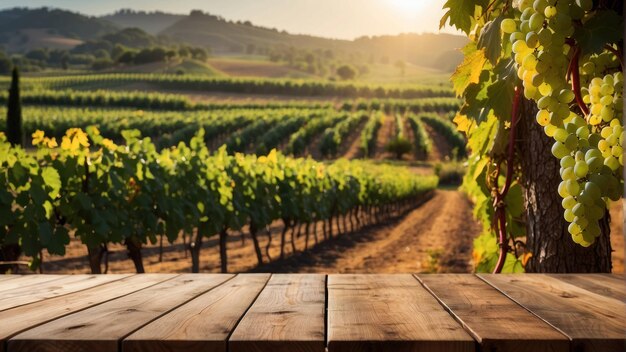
{"x":407,"y":6}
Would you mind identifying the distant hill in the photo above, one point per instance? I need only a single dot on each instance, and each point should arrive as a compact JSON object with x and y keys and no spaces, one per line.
{"x":150,"y":22}
{"x":45,"y":26}
{"x":24,"y":29}
{"x":430,"y":50}
{"x":225,"y":37}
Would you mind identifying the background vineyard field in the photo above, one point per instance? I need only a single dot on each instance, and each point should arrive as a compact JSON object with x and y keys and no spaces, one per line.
{"x":378,"y":153}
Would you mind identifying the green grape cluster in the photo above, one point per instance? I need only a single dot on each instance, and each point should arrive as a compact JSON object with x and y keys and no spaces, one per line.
{"x":589,"y":147}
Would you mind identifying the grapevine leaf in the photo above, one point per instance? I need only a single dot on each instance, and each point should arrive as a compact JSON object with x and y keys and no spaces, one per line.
{"x":500,"y":93}
{"x":602,"y":28}
{"x":490,"y":40}
{"x":469,"y":70}
{"x":60,"y":239}
{"x":512,"y":265}
{"x":45,"y":233}
{"x":460,"y":14}
{"x":52,"y":180}
{"x":515,"y":200}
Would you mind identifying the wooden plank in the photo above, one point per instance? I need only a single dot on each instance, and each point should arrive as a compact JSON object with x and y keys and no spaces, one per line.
{"x":592,"y":321}
{"x":26,"y":281}
{"x":288,"y":315}
{"x":202,"y":324}
{"x":612,"y":286}
{"x":101,"y":327}
{"x":495,"y":321}
{"x":389,"y":313}
{"x":34,"y":314}
{"x":7,"y":277}
{"x":53,"y":288}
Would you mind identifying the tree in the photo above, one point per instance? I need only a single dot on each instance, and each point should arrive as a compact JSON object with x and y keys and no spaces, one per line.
{"x":399,"y":146}
{"x":346,"y":72}
{"x":14,"y":112}
{"x":541,"y":116}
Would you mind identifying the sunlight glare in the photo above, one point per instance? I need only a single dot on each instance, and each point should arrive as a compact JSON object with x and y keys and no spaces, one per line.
{"x":407,"y":7}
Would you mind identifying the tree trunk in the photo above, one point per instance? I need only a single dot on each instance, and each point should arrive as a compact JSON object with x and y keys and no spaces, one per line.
{"x":196,"y":246}
{"x":255,"y":241}
{"x":286,"y":224}
{"x":223,"y":254}
{"x":94,"y":256}
{"x":552,"y":247}
{"x":134,"y":253}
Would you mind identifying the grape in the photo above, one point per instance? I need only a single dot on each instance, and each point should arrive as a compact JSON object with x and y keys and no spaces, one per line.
{"x":550,"y":11}
{"x":559,"y":150}
{"x":536,"y":21}
{"x":590,"y":148}
{"x":532,"y":40}
{"x":508,"y":25}
{"x":580,"y":169}
{"x":568,"y":161}
{"x":568,"y":202}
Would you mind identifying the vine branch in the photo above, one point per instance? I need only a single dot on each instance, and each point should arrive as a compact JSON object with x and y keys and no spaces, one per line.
{"x":499,"y":203}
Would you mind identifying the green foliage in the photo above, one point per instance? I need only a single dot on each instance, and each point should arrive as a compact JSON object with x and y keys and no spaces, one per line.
{"x":549,"y":51}
{"x":291,"y":87}
{"x":369,"y":133}
{"x":105,"y":192}
{"x":449,"y":132}
{"x":423,"y":144}
{"x":333,"y":137}
{"x":346,"y":72}
{"x":399,"y":146}
{"x":450,"y":173}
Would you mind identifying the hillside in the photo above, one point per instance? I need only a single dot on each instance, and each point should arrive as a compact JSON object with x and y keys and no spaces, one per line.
{"x":224,"y":36}
{"x":150,"y":22}
{"x":24,"y":29}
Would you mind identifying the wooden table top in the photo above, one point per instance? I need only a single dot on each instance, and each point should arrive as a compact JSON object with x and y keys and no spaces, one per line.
{"x":313,"y":312}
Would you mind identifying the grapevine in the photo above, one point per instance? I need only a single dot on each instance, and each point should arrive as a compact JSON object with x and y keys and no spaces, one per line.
{"x":567,"y":57}
{"x":129,"y":193}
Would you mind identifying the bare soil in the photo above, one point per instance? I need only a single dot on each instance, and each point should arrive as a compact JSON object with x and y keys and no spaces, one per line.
{"x":435,"y":236}
{"x":440,"y":150}
{"x":385,"y":133}
{"x":351,"y":146}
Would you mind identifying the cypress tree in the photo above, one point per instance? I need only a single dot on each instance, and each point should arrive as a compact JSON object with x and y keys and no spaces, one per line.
{"x":14,"y":111}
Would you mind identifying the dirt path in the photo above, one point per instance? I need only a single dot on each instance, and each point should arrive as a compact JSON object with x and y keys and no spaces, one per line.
{"x":435,"y":237}
{"x":351,"y":146}
{"x":385,"y":133}
{"x":440,"y":148}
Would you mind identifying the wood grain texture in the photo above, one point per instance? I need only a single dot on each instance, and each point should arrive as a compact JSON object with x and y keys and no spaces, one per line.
{"x":593,"y":322}
{"x":389,"y":313}
{"x":34,"y":314}
{"x":53,"y":288}
{"x":7,"y":277}
{"x":99,"y":329}
{"x":202,"y":324}
{"x":613,"y":286}
{"x":288,"y":315}
{"x":26,"y":281}
{"x":495,"y":321}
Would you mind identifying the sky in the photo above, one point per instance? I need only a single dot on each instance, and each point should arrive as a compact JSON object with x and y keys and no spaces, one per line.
{"x":343,"y":19}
